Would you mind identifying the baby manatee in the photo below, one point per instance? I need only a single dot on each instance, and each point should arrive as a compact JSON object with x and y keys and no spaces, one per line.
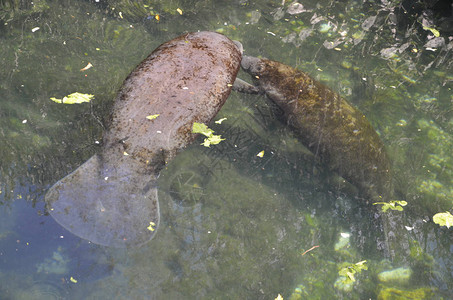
{"x":338,"y":134}
{"x":331,"y":128}
{"x":112,"y":198}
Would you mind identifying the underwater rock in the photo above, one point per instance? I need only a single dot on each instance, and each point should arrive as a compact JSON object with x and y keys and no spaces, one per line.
{"x":57,"y":264}
{"x":343,"y":242}
{"x":397,"y":276}
{"x":396,"y":294}
{"x":343,"y":284}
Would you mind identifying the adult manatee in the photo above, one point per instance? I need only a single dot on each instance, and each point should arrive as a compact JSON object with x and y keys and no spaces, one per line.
{"x":112,"y":198}
{"x":336,"y":132}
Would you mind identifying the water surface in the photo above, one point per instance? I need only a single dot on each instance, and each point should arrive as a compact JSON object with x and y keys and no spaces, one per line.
{"x":234,"y":225}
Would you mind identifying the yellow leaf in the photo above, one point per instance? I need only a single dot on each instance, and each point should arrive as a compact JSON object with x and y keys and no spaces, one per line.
{"x":433,"y":31}
{"x":150,"y":227}
{"x":261,"y":154}
{"x":152,"y":117}
{"x":73,"y":280}
{"x":179,"y":11}
{"x":279,"y":297}
{"x":74,"y":98}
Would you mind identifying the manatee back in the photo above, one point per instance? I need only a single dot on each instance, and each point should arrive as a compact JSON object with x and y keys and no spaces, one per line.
{"x":184,"y":81}
{"x":112,"y":199}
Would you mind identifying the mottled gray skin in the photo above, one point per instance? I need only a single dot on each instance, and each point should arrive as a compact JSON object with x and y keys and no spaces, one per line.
{"x":336,"y":132}
{"x":112,"y":198}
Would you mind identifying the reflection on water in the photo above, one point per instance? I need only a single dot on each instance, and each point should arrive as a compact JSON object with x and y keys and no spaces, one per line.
{"x":234,"y":224}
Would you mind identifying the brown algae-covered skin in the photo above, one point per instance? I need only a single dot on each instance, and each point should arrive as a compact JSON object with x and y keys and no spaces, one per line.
{"x":112,"y":198}
{"x":335,"y":131}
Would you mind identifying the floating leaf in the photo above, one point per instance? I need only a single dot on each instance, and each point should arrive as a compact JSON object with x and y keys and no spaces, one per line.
{"x":443,"y":219}
{"x":220,"y":121}
{"x":210,"y":139}
{"x":214,"y":140}
{"x":74,"y":98}
{"x":433,"y":31}
{"x":279,"y":297}
{"x":73,"y":280}
{"x":261,"y":154}
{"x":393,"y":205}
{"x":150,"y":227}
{"x":202,"y":128}
{"x":152,"y":117}
{"x":89,"y":65}
{"x":179,"y":11}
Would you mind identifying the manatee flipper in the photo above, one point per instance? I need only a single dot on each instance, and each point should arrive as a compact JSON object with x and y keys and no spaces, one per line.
{"x":107,"y":204}
{"x":245,"y":87}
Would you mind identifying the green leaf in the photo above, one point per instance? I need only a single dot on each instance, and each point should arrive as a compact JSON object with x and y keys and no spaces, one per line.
{"x":74,"y":98}
{"x":202,"y":128}
{"x":349,"y":271}
{"x":392,"y":205}
{"x":211,"y":138}
{"x":443,"y":219}
{"x":433,"y":31}
{"x":215,"y":139}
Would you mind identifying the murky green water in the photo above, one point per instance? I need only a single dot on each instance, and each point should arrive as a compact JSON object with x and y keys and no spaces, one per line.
{"x":234,"y":225}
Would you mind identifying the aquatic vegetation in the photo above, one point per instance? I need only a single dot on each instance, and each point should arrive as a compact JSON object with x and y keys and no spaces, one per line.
{"x":13,"y":10}
{"x":393,"y":205}
{"x":435,"y":183}
{"x":392,"y":293}
{"x":443,"y":219}
{"x":350,"y":270}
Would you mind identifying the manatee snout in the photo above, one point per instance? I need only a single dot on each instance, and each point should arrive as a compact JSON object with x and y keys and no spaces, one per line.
{"x":251,"y":65}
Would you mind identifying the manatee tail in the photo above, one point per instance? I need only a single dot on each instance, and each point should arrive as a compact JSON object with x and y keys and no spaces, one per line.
{"x":109,"y":204}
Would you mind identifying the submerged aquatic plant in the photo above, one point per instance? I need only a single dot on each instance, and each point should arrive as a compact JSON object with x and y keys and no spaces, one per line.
{"x":393,"y":205}
{"x":438,"y":172}
{"x":349,"y":271}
